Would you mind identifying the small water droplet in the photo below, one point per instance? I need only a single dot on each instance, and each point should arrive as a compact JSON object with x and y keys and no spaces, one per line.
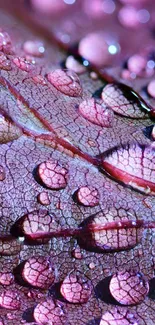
{"x":93,"y":75}
{"x":5,"y":42}
{"x":23,"y":64}
{"x":65,"y":81}
{"x":39,"y":272}
{"x":77,"y":253}
{"x":6,"y":278}
{"x":96,"y":111}
{"x":52,"y":175}
{"x":129,"y":287}
{"x":39,"y":79}
{"x":92,"y":266}
{"x":43,"y":198}
{"x":76,"y":288}
{"x":5,"y":63}
{"x":49,"y":312}
{"x":2,"y":173}
{"x":9,"y":299}
{"x":72,"y":64}
{"x":87,"y":196}
{"x":35,"y":48}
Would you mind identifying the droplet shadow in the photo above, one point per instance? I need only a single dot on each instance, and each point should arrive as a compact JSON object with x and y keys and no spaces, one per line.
{"x":28,"y":315}
{"x":102,"y":292}
{"x":151,"y":293}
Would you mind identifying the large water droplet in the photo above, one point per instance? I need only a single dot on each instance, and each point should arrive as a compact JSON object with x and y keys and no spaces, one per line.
{"x":76,"y":288}
{"x":33,"y":223}
{"x":96,"y":111}
{"x":5,"y":42}
{"x":5,"y":63}
{"x":49,"y":312}
{"x":2,"y":173}
{"x":129,"y":287}
{"x":23,"y":64}
{"x":87,"y":196}
{"x":9,"y":299}
{"x":72,"y":64}
{"x":124,"y":101}
{"x":52,"y":175}
{"x":66,"y":81}
{"x":133,"y":165}
{"x":35,"y":48}
{"x":9,"y":245}
{"x":118,"y":317}
{"x":112,"y":239}
{"x":39,"y":272}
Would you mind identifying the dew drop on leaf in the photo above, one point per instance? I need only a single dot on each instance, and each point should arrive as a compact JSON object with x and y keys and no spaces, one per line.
{"x":87,"y":196}
{"x":43,"y":198}
{"x":118,"y":317}
{"x":39,"y":272}
{"x":96,"y":111}
{"x":52,"y":175}
{"x":124,"y":101}
{"x":76,"y":289}
{"x":34,"y":48}
{"x":2,"y":173}
{"x":66,"y":81}
{"x":5,"y":42}
{"x":76,"y":253}
{"x":9,"y":299}
{"x":133,"y":165}
{"x":23,"y":64}
{"x":49,"y":312}
{"x":129,"y":287}
{"x":6,"y":278}
{"x":39,"y":79}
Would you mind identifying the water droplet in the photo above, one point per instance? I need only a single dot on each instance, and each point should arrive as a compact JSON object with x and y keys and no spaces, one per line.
{"x":77,"y":253}
{"x":129,"y":287}
{"x":72,"y":64}
{"x":76,"y":289}
{"x":102,"y":240}
{"x":39,"y":79}
{"x":94,"y":48}
{"x":49,"y":312}
{"x":23,"y":64}
{"x":9,"y":246}
{"x":6,"y":278}
{"x":5,"y":42}
{"x":118,"y":317}
{"x":52,"y":175}
{"x":39,"y":272}
{"x":96,"y":111}
{"x":128,"y":17}
{"x":137,"y":64}
{"x":48,"y":7}
{"x":5,"y":63}
{"x":9,"y":299}
{"x":133,"y":165}
{"x":91,"y":266}
{"x":8,"y":131}
{"x":151,"y":88}
{"x":124,"y":101}
{"x":2,"y":173}
{"x":88,"y":196}
{"x":43,"y":198}
{"x":35,"y":48}
{"x":33,"y":223}
{"x":93,"y":75}
{"x":65,"y":81}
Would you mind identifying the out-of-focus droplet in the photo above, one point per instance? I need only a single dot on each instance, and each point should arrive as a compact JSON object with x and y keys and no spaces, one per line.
{"x":48,"y":7}
{"x":137,"y":64}
{"x":5,"y":42}
{"x":129,"y":287}
{"x":5,"y":63}
{"x":39,"y":79}
{"x":76,"y":289}
{"x":66,"y":81}
{"x":72,"y":64}
{"x":35,"y":48}
{"x":151,"y":88}
{"x":39,"y":272}
{"x":128,"y":17}
{"x":94,"y":48}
